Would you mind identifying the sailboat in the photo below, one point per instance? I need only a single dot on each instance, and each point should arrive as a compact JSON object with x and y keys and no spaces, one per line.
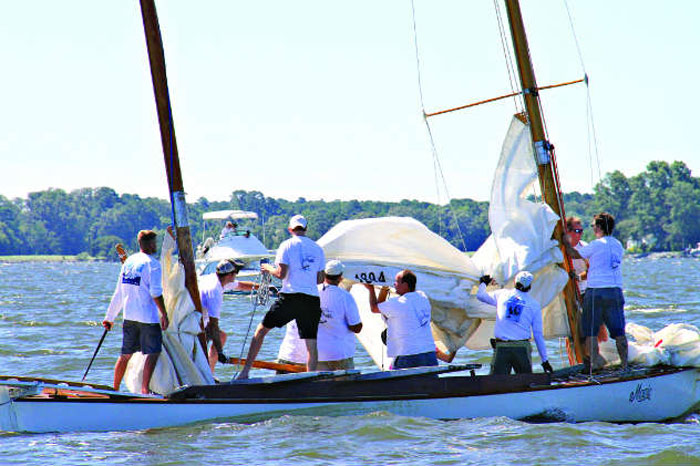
{"x":446,"y":392}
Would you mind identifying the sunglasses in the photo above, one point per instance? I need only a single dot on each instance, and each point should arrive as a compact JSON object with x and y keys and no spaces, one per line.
{"x":576,"y":230}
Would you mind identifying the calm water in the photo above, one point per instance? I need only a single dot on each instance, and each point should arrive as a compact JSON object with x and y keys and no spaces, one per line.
{"x":50,"y":316}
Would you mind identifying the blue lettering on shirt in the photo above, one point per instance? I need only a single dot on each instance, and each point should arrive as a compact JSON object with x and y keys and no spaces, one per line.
{"x":131,"y":280}
{"x":514,"y":308}
{"x":131,"y":274}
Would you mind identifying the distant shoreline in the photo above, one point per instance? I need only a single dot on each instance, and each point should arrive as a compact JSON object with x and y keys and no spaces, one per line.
{"x":85,"y":258}
{"x":49,"y":258}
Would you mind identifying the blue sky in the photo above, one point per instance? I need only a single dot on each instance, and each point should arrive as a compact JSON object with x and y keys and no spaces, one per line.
{"x":320,"y":98}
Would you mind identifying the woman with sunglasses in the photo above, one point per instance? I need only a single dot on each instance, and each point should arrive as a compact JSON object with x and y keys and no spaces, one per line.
{"x":574,"y":231}
{"x":603,"y":301}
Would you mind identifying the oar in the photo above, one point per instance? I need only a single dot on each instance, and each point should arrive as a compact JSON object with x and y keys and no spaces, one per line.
{"x":122,"y":257}
{"x":104,"y":334}
{"x":270,"y":365}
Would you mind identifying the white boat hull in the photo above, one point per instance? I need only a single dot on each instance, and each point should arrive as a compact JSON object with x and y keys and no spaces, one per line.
{"x":656,"y":398}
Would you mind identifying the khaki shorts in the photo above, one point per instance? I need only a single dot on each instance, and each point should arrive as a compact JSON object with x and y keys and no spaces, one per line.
{"x":336,"y":365}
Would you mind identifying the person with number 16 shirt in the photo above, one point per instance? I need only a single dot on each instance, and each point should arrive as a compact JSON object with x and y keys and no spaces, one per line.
{"x":516,"y":314}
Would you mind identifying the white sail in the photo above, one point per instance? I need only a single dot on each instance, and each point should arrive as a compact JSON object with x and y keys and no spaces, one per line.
{"x":375,"y":249}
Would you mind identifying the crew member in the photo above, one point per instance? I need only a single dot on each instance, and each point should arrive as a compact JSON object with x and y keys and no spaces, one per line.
{"x":139,"y":293}
{"x":299,"y":264}
{"x":517,"y":314}
{"x":409,"y":337}
{"x":211,"y":292}
{"x":340,"y":321}
{"x":604,"y":301}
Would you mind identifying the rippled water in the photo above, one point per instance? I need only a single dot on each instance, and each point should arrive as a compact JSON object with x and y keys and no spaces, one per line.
{"x":50,"y":316}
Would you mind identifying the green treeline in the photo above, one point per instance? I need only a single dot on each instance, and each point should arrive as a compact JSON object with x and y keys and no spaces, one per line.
{"x":656,"y":210}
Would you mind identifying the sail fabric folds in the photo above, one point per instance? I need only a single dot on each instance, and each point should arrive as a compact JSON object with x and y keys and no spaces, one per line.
{"x":675,"y":345}
{"x":182,"y":361}
{"x":375,"y":249}
{"x":522,"y":229}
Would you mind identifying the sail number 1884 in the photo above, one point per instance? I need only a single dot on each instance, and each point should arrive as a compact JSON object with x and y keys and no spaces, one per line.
{"x":370,"y":277}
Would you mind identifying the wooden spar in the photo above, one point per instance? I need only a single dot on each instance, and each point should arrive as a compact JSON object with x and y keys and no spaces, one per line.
{"x":293,"y":368}
{"x":156,"y":58}
{"x":546,"y":169}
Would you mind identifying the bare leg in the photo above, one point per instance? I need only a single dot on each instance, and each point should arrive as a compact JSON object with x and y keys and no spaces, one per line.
{"x":312,"y":354}
{"x":119,"y":369}
{"x":255,"y":345}
{"x":213,"y":354}
{"x":621,"y":344}
{"x":148,"y":367}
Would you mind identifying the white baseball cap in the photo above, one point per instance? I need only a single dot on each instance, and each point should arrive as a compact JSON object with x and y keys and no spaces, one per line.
{"x":334,"y":268}
{"x":524,"y":278}
{"x":297,"y":221}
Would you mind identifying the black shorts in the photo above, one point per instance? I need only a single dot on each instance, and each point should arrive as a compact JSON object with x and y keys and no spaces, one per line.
{"x":137,"y":336}
{"x":306,"y":309}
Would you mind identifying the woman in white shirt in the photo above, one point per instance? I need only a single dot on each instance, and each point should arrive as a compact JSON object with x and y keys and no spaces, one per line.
{"x":603,"y":301}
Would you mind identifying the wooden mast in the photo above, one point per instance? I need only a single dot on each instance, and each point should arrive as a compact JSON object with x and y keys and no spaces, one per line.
{"x":156,"y":58}
{"x":543,"y":150}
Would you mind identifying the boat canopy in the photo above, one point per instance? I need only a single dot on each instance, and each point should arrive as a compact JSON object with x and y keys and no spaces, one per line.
{"x":229,"y":214}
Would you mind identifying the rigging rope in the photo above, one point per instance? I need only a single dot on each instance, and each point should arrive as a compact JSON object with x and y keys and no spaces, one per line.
{"x":508,"y":57}
{"x":437,"y":167}
{"x":590,"y":124}
{"x":259,"y":297}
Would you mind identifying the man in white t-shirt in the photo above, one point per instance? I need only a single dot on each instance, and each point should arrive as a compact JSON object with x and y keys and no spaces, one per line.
{"x":211,"y":292}
{"x":518,"y":315}
{"x":409,"y":337}
{"x":340,"y":321}
{"x":299,"y":264}
{"x":139,"y":293}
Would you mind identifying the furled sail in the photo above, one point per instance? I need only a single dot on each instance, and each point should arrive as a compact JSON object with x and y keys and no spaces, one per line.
{"x":375,"y":249}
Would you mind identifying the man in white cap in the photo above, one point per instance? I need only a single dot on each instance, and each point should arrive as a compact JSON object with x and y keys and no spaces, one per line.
{"x":299,"y":264}
{"x":340,"y":321}
{"x":517,"y":315}
{"x":211,"y":292}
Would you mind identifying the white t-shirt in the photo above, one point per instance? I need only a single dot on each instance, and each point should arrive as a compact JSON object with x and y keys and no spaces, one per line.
{"x":408,"y":324}
{"x":516,"y":314}
{"x":335,"y":340}
{"x":293,"y":348}
{"x":304,"y":259}
{"x":604,"y":262}
{"x":580,"y":266}
{"x":211,"y":293}
{"x":140,"y":281}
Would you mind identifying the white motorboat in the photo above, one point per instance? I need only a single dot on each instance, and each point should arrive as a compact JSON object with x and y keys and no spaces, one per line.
{"x":238,"y":243}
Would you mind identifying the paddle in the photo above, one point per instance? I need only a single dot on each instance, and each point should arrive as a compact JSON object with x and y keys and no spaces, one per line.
{"x":269,"y":365}
{"x":122,"y":257}
{"x":104,"y":334}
